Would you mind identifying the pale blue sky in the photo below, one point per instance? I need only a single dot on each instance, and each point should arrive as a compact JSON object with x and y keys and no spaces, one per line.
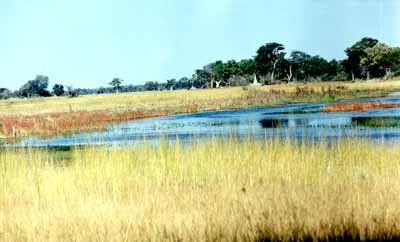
{"x":85,"y":43}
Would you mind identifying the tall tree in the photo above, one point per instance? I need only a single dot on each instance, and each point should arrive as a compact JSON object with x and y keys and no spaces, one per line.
{"x":183,"y":83}
{"x":210,"y":73}
{"x":5,"y":93}
{"x":298,"y":60}
{"x":171,"y":84}
{"x":116,"y":84}
{"x":200,"y":78}
{"x":221,"y":73}
{"x":36,"y":87}
{"x":72,"y":92}
{"x":58,"y":90}
{"x":151,"y":86}
{"x":247,"y":67}
{"x":380,"y":59}
{"x":394,"y":59}
{"x":354,"y":55}
{"x":316,"y":67}
{"x":268,"y":57}
{"x":287,"y":69}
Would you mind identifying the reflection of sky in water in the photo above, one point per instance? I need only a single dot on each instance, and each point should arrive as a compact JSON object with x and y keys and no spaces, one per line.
{"x":297,"y":120}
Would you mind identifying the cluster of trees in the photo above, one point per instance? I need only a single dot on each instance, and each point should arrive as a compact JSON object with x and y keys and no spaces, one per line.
{"x":366,"y":59}
{"x":38,"y":87}
{"x":369,"y":58}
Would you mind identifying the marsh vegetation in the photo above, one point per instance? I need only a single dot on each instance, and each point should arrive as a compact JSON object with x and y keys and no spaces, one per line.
{"x":63,"y":115}
{"x":213,"y":190}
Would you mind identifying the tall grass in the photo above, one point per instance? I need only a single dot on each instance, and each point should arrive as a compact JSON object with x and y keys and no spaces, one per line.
{"x":213,"y":190}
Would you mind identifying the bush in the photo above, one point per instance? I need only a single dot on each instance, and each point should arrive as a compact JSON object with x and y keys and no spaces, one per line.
{"x":396,"y":70}
{"x":72,"y":92}
{"x":5,"y":93}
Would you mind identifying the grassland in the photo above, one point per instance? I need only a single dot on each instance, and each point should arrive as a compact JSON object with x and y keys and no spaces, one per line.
{"x":208,"y":190}
{"x":213,"y":190}
{"x":60,"y":115}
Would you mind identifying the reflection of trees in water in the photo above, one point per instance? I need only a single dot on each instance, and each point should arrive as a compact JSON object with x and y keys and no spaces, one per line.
{"x":274,"y":123}
{"x":331,"y":122}
{"x":376,"y":121}
{"x":301,"y":123}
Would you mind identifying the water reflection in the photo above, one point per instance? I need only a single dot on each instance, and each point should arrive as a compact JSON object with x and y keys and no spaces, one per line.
{"x":293,"y":122}
{"x":376,"y":121}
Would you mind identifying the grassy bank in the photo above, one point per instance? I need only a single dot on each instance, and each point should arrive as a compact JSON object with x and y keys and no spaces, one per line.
{"x":60,"y":115}
{"x":215,"y":190}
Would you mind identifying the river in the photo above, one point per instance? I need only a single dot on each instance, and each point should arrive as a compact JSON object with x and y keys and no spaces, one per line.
{"x":294,"y":120}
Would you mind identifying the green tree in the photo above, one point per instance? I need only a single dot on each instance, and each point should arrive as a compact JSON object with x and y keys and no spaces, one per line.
{"x":5,"y":93}
{"x":151,"y":86}
{"x":354,"y":55}
{"x":116,"y":84}
{"x":286,"y":69}
{"x":72,"y":92}
{"x":317,"y":68}
{"x":183,"y":83}
{"x":298,"y":60}
{"x":391,"y":63}
{"x":380,"y":60}
{"x":336,"y":71}
{"x":171,"y":84}
{"x":36,"y":87}
{"x":101,"y":90}
{"x":210,"y":74}
{"x":220,"y":72}
{"x":232,"y":70}
{"x":247,"y":71}
{"x":58,"y":90}
{"x":200,"y":78}
{"x":247,"y":67}
{"x":267,"y":58}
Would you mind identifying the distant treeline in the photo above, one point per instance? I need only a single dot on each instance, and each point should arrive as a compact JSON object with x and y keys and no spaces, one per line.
{"x":366,"y":59}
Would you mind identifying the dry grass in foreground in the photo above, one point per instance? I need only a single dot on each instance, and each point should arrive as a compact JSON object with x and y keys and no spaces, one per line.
{"x":61,"y":115}
{"x":214,"y":190}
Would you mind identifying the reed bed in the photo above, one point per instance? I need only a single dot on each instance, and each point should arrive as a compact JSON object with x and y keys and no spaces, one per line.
{"x":210,"y":190}
{"x":358,"y":106}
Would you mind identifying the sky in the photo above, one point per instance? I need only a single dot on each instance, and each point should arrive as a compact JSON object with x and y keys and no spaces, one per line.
{"x":86,"y":43}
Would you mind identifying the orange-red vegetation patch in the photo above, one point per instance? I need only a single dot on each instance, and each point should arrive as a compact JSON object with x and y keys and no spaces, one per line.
{"x":358,"y":106}
{"x":64,"y":122}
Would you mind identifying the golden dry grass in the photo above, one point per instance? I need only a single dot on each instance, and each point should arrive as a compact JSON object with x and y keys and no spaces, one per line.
{"x":212,"y":190}
{"x":165,"y":100}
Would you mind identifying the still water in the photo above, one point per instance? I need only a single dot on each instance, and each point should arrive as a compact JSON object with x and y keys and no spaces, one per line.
{"x":294,"y":120}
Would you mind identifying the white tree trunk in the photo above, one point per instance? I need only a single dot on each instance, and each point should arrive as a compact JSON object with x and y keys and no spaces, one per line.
{"x":273,"y":70}
{"x":388,"y":74}
{"x":290,"y":75}
{"x":255,"y":82}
